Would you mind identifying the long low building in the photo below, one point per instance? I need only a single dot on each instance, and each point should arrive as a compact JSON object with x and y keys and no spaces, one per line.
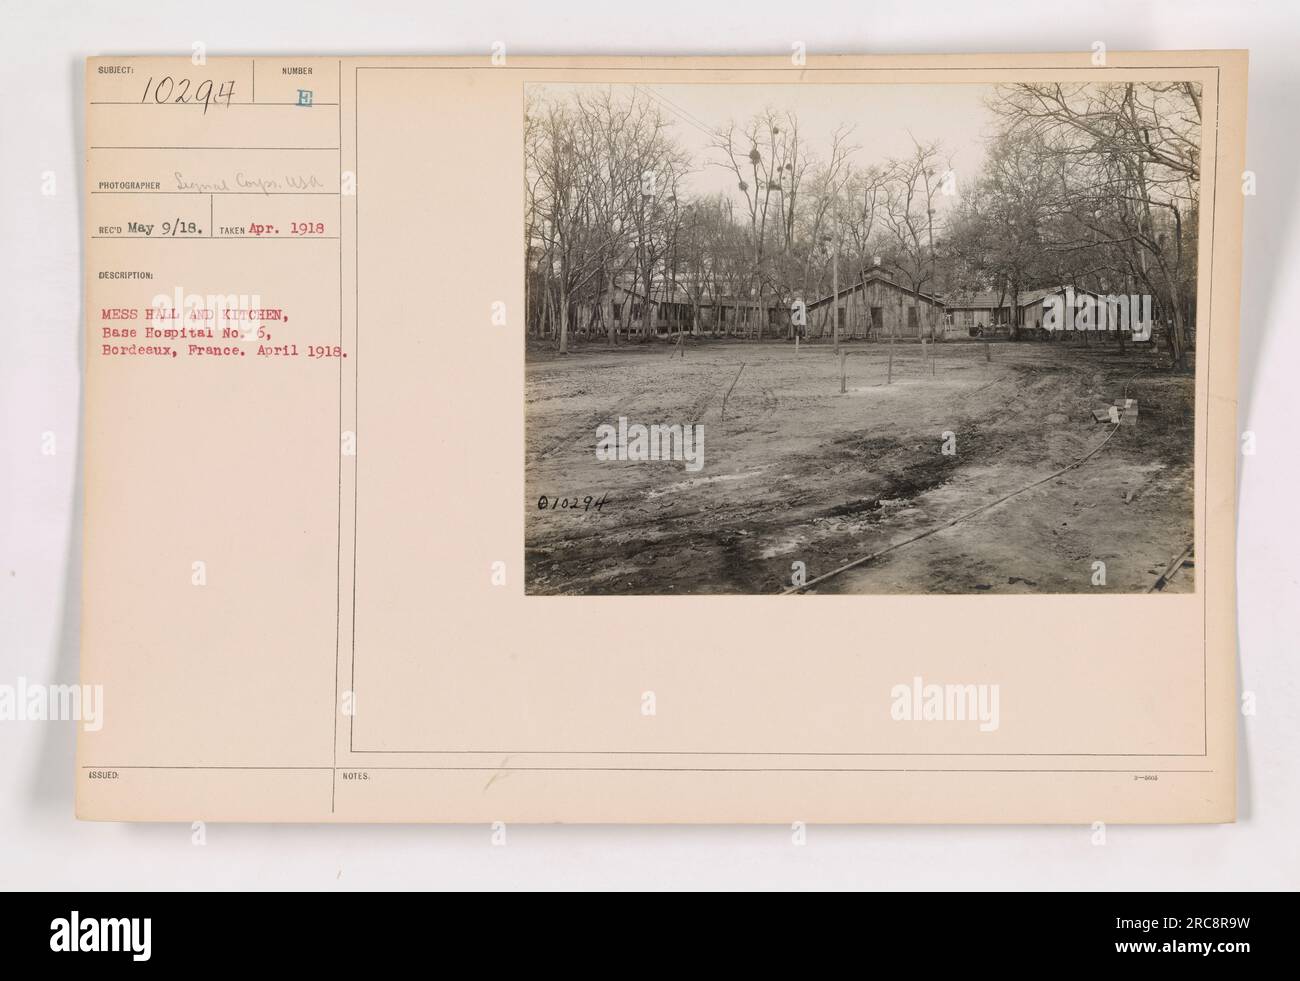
{"x":876,"y":306}
{"x":990,"y":313}
{"x":872,"y":307}
{"x":677,"y":309}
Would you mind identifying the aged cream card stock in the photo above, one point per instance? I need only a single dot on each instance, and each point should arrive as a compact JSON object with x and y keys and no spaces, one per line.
{"x":844,"y":439}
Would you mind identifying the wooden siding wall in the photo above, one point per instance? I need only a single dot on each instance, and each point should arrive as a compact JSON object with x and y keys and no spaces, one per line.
{"x":893,"y":304}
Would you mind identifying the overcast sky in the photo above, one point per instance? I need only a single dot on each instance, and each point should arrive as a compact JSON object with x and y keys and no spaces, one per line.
{"x":881,"y":117}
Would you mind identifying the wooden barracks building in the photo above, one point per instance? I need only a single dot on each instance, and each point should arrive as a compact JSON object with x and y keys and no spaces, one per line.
{"x":878,"y":307}
{"x":874,"y":307}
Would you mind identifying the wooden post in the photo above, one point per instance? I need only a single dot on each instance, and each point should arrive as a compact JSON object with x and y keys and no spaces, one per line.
{"x":988,"y":353}
{"x":796,"y":345}
{"x":728,"y":395}
{"x":889,"y":379}
{"x":843,"y":355}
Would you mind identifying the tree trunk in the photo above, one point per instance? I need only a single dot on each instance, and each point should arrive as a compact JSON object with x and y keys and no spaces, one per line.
{"x":564,"y":306}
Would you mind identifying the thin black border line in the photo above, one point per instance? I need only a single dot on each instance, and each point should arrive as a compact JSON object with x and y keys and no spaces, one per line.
{"x":277,"y":149}
{"x":1202,"y":561}
{"x":734,"y":752}
{"x":356,"y":381}
{"x":338,"y":527}
{"x":224,"y":106}
{"x":223,"y":238}
{"x":628,"y":769}
{"x":1109,"y":70}
{"x":210,"y":193}
{"x":799,"y":69}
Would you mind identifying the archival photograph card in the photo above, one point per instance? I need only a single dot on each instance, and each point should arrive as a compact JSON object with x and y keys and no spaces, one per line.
{"x":825,"y":439}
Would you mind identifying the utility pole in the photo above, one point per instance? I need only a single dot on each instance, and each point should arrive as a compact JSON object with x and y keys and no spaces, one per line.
{"x":835,"y":295}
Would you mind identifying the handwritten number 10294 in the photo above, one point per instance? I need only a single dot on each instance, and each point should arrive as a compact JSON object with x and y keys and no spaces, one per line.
{"x":177,"y":90}
{"x":557,"y":503}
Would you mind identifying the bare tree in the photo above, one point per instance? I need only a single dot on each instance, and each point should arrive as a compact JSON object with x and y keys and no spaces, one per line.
{"x":1127,"y":159}
{"x":911,"y":197}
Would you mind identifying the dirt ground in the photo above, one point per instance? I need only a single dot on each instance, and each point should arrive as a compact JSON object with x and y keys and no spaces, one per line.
{"x":798,"y":472}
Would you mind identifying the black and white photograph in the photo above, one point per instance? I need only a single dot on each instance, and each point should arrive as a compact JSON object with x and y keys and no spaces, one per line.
{"x":847,"y":338}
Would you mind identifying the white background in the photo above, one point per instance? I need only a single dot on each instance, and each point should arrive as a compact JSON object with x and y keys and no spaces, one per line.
{"x":42,"y":47}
